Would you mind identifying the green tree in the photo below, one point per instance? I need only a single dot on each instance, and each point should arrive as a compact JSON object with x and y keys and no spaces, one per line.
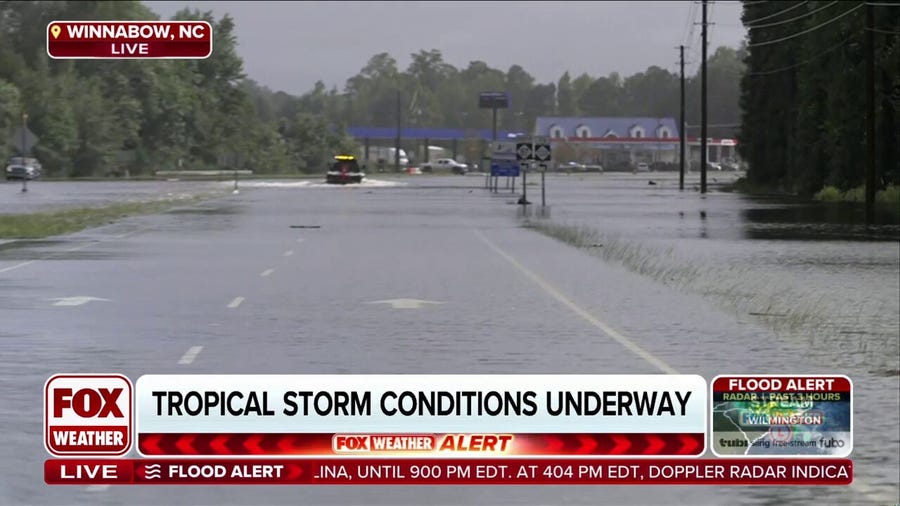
{"x":565,"y":97}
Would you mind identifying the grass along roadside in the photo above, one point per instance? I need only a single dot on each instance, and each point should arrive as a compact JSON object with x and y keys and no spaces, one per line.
{"x":890,"y":195}
{"x":66,"y":221}
{"x":795,"y":312}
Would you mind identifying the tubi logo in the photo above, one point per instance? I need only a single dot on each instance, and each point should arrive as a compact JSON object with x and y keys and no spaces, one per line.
{"x":88,"y":415}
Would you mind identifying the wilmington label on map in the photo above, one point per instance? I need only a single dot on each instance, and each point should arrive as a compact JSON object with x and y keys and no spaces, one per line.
{"x":781,"y":416}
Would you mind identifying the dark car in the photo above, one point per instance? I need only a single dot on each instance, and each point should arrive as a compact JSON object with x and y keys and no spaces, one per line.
{"x":23,"y":168}
{"x":344,"y":170}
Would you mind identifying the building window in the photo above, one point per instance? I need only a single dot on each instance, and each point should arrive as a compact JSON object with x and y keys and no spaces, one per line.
{"x":556,"y":132}
{"x":664,"y":133}
{"x":583,"y":132}
{"x":611,"y":134}
{"x":637,"y":132}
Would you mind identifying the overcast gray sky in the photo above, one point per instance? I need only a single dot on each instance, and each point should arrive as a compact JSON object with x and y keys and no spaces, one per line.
{"x":290,"y":45}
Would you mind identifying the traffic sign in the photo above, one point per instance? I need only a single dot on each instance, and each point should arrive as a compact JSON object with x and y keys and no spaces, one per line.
{"x":537,"y":149}
{"x":493,"y":100}
{"x":523,"y":151}
{"x":23,"y":135}
{"x":504,"y":150}
{"x":504,"y":168}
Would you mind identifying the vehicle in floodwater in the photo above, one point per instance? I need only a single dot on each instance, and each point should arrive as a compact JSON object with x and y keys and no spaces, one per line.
{"x":345,"y":170}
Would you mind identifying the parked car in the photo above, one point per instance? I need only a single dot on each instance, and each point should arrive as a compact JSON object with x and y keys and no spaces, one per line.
{"x":23,"y":168}
{"x":572,"y":167}
{"x":643,"y":167}
{"x":729,"y":165}
{"x":445,"y":164}
{"x":621,"y":166}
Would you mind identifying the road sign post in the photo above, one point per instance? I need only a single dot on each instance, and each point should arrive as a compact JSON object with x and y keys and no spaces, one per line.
{"x":504,"y":163}
{"x":24,"y":146}
{"x":535,"y":152}
{"x":543,"y":192}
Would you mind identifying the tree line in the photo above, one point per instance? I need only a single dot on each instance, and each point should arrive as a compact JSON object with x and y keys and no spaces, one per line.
{"x":803,"y":94}
{"x":96,"y":118}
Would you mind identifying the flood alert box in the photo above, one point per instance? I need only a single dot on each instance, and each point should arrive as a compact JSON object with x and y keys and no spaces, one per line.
{"x":88,"y":415}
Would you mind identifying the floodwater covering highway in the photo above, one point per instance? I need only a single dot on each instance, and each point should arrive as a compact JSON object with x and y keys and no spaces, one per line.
{"x":710,"y":284}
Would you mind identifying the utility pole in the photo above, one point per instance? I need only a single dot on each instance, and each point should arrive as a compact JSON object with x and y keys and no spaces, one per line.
{"x":681,"y":129}
{"x":703,"y":104}
{"x":870,"y":115}
{"x":397,"y":140}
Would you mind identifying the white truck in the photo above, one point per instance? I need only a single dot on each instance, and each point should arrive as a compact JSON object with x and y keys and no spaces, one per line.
{"x":382,"y":158}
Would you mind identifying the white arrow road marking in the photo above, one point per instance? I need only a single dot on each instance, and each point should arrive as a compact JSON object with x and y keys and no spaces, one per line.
{"x":97,"y":488}
{"x":404,"y":303}
{"x":266,"y":272}
{"x":190,"y":355}
{"x":77,"y":300}
{"x":235,"y":303}
{"x":288,"y":252}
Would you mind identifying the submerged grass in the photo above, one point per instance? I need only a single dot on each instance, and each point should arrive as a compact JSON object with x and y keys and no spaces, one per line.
{"x":67,"y":221}
{"x":740,"y":289}
{"x":888,"y":196}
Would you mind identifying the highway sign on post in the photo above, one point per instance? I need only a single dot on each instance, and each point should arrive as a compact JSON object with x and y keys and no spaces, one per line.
{"x":493,"y":100}
{"x":535,"y":149}
{"x":504,"y":150}
{"x":24,"y":139}
{"x":504,"y":168}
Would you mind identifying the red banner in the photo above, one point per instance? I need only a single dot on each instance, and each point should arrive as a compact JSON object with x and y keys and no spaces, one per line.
{"x":129,"y":39}
{"x":353,"y":471}
{"x":441,"y":444}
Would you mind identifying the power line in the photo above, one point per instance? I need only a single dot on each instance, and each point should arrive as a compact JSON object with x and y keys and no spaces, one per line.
{"x":804,"y":32}
{"x":779,"y":13}
{"x":881,"y":4}
{"x":886,"y":32}
{"x":693,"y":22}
{"x":809,"y":60}
{"x":776,"y":23}
{"x":690,"y":18}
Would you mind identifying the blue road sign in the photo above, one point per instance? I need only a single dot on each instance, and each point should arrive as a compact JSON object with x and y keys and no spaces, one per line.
{"x":507,"y":168}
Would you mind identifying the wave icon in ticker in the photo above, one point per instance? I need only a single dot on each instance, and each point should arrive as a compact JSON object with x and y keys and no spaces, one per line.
{"x":152,"y":471}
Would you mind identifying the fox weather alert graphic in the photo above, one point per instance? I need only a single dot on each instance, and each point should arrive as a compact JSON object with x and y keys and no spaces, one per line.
{"x":781,"y":416}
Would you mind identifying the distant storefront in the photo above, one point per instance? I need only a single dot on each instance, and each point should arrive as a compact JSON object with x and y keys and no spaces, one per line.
{"x":612,"y":140}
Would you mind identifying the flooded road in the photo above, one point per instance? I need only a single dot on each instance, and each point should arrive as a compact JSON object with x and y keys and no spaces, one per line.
{"x":811,"y":270}
{"x":279,"y":279}
{"x":53,"y":195}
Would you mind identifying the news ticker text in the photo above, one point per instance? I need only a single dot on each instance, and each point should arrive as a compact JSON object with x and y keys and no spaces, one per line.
{"x":448,"y":472}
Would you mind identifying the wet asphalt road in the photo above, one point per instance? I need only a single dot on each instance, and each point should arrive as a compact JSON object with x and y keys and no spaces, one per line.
{"x":172,"y":281}
{"x":54,"y":195}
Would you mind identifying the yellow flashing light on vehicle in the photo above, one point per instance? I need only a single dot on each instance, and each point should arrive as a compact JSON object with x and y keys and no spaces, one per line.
{"x":345,"y":157}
